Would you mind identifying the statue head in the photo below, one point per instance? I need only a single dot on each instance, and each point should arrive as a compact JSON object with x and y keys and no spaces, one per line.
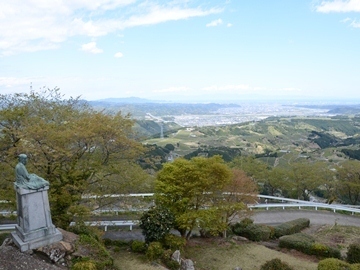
{"x":23,"y":158}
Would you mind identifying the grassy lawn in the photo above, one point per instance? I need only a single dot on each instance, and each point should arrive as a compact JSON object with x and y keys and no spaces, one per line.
{"x":126,"y":260}
{"x":219,"y":253}
{"x":215,"y":254}
{"x":228,"y":255}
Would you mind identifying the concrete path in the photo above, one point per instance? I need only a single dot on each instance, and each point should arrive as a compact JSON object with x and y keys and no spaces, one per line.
{"x":316,"y":217}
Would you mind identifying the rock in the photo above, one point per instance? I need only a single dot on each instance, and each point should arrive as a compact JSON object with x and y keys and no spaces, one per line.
{"x":238,"y":268}
{"x":57,"y":252}
{"x":239,"y":238}
{"x":70,"y":248}
{"x":176,"y":256}
{"x":54,"y":251}
{"x":187,"y":265}
{"x":7,"y":242}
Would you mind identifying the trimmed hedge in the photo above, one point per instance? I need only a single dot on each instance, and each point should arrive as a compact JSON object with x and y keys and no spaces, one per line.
{"x":253,"y":232}
{"x":353,"y":253}
{"x":306,"y":244}
{"x":257,"y":232}
{"x":239,"y":227}
{"x":298,"y":241}
{"x":291,"y":227}
{"x":276,"y":264}
{"x":336,"y":264}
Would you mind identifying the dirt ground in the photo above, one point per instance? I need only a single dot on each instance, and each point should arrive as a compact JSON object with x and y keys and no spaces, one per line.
{"x":11,"y":258}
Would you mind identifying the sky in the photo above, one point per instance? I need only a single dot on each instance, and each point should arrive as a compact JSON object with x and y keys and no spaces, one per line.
{"x":182,"y":50}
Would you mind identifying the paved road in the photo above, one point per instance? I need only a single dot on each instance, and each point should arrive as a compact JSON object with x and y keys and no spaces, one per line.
{"x":271,"y":217}
{"x":316,"y":217}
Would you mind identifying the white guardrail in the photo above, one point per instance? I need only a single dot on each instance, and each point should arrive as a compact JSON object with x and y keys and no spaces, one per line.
{"x":285,"y":203}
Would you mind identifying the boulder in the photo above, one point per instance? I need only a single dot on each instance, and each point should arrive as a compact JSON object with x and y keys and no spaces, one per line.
{"x":187,"y":265}
{"x":176,"y":256}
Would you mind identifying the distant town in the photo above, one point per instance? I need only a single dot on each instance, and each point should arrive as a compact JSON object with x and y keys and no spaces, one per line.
{"x":243,"y":113}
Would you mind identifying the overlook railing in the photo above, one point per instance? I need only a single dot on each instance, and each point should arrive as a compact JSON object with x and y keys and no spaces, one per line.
{"x":283,"y":204}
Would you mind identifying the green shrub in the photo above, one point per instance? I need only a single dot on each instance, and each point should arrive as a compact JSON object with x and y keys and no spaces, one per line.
{"x":239,"y":227}
{"x":174,"y":242}
{"x":353,"y":253}
{"x":333,"y":264}
{"x":299,"y":241}
{"x":306,"y":244}
{"x":275,"y":264}
{"x":138,"y":246}
{"x":97,"y":251}
{"x":115,"y":243}
{"x":154,"y":251}
{"x":291,"y":227}
{"x":254,"y":232}
{"x":84,"y":265}
{"x":81,"y":228}
{"x":325,"y":251}
{"x":257,"y":232}
{"x":156,"y":223}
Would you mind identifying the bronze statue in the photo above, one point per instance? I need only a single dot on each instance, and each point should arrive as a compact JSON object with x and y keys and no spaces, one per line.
{"x":24,"y":179}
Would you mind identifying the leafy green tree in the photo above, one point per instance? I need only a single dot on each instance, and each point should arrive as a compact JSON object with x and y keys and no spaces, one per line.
{"x":189,"y":189}
{"x":305,"y":178}
{"x":241,"y":190}
{"x":276,"y":181}
{"x":170,"y":147}
{"x":77,"y":149}
{"x":253,"y":168}
{"x":348,"y":188}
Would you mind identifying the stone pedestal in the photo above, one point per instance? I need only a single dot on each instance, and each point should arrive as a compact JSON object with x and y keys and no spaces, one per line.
{"x":34,"y":227}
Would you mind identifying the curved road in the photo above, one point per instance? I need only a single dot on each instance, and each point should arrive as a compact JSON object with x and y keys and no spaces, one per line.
{"x":270,"y":217}
{"x":319,"y":217}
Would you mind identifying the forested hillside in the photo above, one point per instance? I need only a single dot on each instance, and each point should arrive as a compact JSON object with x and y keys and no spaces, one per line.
{"x":278,"y":140}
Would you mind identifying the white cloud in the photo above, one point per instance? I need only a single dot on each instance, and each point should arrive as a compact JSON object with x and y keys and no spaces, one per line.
{"x":214,"y":23}
{"x":118,"y":55}
{"x":10,"y":82}
{"x":355,"y":24}
{"x":91,"y":48}
{"x":351,"y":22}
{"x":27,"y":26}
{"x":229,"y":25}
{"x":345,"y":20}
{"x":339,"y":6}
{"x":159,"y":14}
